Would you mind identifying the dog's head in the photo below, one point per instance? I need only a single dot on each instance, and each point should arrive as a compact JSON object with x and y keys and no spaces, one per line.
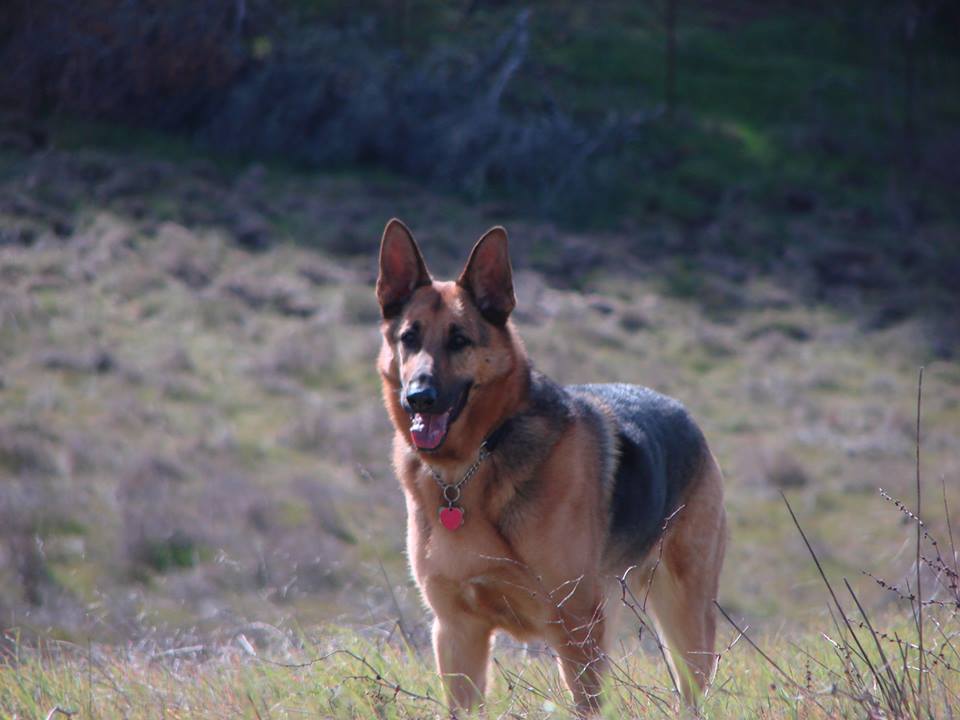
{"x":449,"y":349}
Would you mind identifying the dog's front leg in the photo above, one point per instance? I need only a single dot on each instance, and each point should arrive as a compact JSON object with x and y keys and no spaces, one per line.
{"x":579,"y":647}
{"x":582,"y":669}
{"x":461,"y":645}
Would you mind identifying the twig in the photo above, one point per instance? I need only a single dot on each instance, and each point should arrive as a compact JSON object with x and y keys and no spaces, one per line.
{"x":174,"y":652}
{"x":904,"y":648}
{"x":516,"y":680}
{"x":770,"y":660}
{"x":836,"y":601}
{"x":377,"y":677}
{"x":656,"y":565}
{"x":401,"y":621}
{"x":886,"y":665}
{"x":624,"y":678}
{"x":61,"y":711}
{"x":919,"y":531}
{"x":519,"y":38}
{"x":941,"y":656}
{"x":743,"y":633}
{"x":254,"y":705}
{"x":823,"y":666}
{"x":632,"y":604}
{"x":946,"y":512}
{"x":89,"y":677}
{"x":635,"y":608}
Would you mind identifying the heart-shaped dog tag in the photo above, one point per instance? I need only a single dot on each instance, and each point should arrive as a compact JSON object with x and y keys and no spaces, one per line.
{"x":451,"y":517}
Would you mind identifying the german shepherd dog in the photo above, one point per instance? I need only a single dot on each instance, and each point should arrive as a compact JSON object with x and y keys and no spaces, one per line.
{"x":526,"y":501}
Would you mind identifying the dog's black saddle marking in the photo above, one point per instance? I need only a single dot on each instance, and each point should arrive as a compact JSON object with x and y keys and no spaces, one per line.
{"x":660,"y":451}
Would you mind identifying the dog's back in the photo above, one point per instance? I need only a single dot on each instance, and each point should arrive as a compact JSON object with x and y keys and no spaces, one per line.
{"x":659,"y":452}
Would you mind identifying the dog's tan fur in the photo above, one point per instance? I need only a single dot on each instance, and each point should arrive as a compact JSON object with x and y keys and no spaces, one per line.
{"x":544,"y":574}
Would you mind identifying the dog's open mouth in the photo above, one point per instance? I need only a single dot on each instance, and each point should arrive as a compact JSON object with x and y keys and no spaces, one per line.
{"x":429,"y":430}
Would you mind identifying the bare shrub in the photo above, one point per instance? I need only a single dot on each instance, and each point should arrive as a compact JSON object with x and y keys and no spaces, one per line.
{"x":18,"y":312}
{"x":359,"y":307}
{"x":299,"y":536}
{"x":193,"y":260}
{"x":785,"y":471}
{"x":156,"y":527}
{"x":325,"y":428}
{"x":95,"y":361}
{"x":31,"y":566}
{"x":35,"y":503}
{"x":334,"y":97}
{"x":305,"y":355}
{"x":28,"y":449}
{"x":284,"y":294}
{"x":459,"y":116}
{"x":312,"y":429}
{"x":150,"y":63}
{"x":633,"y":320}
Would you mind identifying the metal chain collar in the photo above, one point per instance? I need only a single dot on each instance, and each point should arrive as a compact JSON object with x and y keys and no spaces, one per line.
{"x":451,"y":491}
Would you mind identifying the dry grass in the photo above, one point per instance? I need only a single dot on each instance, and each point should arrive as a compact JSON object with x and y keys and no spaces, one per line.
{"x":866,"y":667}
{"x":191,"y":434}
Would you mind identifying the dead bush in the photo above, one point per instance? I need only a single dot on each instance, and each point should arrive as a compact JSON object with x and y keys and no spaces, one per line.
{"x":785,"y":471}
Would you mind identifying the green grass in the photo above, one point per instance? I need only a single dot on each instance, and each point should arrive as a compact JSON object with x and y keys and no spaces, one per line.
{"x":342,"y":673}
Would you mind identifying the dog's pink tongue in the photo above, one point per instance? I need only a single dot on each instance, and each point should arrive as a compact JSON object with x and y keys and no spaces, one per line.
{"x":428,"y":431}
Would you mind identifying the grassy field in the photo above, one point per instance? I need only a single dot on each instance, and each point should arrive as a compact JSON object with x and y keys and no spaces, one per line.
{"x":197,"y":513}
{"x":335,"y":672}
{"x":194,"y":448}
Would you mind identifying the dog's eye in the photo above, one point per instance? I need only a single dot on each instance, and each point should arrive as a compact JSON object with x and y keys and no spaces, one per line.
{"x":410,"y":338}
{"x":458,"y":342}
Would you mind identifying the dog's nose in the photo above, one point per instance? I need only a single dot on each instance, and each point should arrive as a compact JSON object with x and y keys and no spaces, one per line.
{"x":422,"y":398}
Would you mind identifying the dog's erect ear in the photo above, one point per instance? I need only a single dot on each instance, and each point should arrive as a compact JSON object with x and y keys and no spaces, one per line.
{"x":488,"y":276}
{"x":402,"y":269}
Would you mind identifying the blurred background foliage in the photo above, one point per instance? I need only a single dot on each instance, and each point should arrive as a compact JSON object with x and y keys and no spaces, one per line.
{"x":590,"y":113}
{"x":733,"y":121}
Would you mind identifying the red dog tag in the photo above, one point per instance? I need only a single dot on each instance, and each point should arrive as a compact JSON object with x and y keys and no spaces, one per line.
{"x":451,"y":517}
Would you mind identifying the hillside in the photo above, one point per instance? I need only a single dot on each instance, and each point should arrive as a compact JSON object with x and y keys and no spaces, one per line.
{"x":191,"y":433}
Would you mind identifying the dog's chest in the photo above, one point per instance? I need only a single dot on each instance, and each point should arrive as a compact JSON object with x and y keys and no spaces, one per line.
{"x":508,"y":598}
{"x":520,"y":609}
{"x":474,"y":570}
